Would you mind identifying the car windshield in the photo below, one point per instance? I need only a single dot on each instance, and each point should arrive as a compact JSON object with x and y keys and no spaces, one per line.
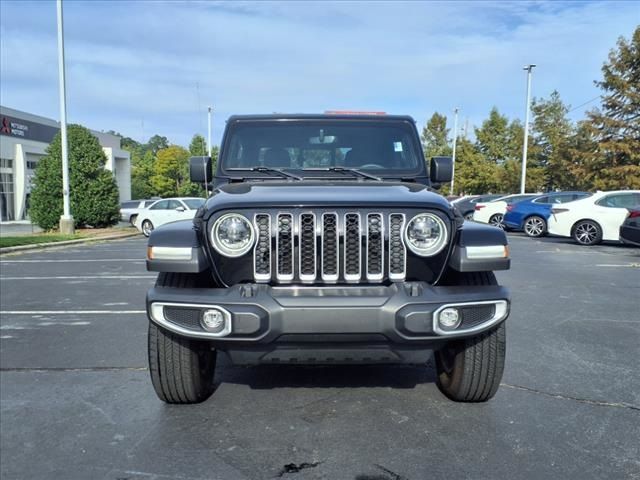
{"x":310,"y":147}
{"x":193,"y":203}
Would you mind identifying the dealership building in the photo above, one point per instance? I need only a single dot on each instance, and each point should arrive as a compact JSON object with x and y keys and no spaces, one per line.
{"x":24,"y":138}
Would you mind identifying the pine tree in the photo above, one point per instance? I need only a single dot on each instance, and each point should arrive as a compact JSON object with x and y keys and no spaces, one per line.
{"x":493,"y":137}
{"x":474,"y":174}
{"x":611,"y":134}
{"x":435,"y":137}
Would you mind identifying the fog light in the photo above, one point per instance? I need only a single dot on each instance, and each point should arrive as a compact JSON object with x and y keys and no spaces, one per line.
{"x":214,"y":321}
{"x":449,"y":319}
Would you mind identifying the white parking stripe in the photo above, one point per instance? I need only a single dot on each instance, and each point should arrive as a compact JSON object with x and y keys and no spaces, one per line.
{"x":78,"y":277}
{"x":76,"y":260}
{"x":71,"y":312}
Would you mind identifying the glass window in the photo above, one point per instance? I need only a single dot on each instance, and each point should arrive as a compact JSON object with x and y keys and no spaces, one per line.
{"x":173,"y":204}
{"x":7,"y":211}
{"x":541,"y":200}
{"x":322,"y":144}
{"x":160,"y":205}
{"x":620,"y":200}
{"x":6,"y":163}
{"x":129,"y":205}
{"x":194,"y":203}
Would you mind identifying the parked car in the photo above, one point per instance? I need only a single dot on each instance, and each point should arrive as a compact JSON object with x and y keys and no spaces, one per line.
{"x":129,"y":210}
{"x":593,"y":219}
{"x":311,"y":256}
{"x":466,"y":205}
{"x":493,"y":212}
{"x":630,"y":229}
{"x":165,"y":211}
{"x":531,"y":215}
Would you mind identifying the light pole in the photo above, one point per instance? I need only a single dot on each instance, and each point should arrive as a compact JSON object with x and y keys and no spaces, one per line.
{"x":66,"y":220}
{"x":453,"y":156}
{"x":529,"y":68}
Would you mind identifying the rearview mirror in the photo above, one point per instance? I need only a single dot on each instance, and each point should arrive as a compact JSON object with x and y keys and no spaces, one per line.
{"x":200,"y":170}
{"x":441,"y":169}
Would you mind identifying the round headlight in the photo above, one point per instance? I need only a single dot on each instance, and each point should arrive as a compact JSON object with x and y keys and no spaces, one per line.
{"x":232,"y":235}
{"x":426,"y":234}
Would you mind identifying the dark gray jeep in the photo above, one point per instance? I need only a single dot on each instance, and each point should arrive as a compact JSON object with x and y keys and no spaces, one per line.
{"x":323,"y":243}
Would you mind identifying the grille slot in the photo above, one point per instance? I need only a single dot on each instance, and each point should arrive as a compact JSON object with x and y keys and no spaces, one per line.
{"x":284,"y":246}
{"x":307,"y":247}
{"x":262,"y":253}
{"x":397,"y":249}
{"x":375,"y":247}
{"x":329,"y":247}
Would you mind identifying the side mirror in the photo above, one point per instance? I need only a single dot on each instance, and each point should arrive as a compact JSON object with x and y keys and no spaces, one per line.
{"x":179,"y":209}
{"x":441,"y":170}
{"x":200,"y":170}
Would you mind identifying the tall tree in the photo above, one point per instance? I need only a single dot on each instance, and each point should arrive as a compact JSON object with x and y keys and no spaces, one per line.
{"x":474,"y":173}
{"x":552,"y":131}
{"x":614,"y":128}
{"x":142,"y":171}
{"x":435,"y":136}
{"x":198,"y":146}
{"x":171,"y":171}
{"x":492,"y":138}
{"x":157,"y":143}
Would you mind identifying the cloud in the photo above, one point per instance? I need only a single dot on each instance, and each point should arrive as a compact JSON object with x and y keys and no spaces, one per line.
{"x":163,"y":63}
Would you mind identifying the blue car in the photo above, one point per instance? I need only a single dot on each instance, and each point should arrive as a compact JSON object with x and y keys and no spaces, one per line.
{"x":531,"y":215}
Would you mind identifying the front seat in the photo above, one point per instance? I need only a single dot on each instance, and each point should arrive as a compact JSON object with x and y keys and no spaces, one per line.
{"x":355,"y":158}
{"x":276,"y":158}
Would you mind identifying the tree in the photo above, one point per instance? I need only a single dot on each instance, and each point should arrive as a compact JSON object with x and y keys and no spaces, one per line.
{"x":552,"y":132}
{"x":473,"y":174}
{"x":141,"y":174}
{"x":493,"y":137}
{"x":157,"y":143}
{"x":171,"y":171}
{"x":198,"y":146}
{"x":614,"y":129}
{"x":94,"y":195}
{"x":435,"y":136}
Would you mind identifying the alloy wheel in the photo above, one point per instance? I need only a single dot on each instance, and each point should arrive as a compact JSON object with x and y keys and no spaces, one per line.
{"x":586,"y":233}
{"x":534,"y":226}
{"x":497,"y":220}
{"x":147,"y":228}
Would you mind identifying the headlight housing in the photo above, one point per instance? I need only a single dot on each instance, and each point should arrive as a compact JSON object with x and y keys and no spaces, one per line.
{"x":232,"y":235}
{"x":426,"y":234}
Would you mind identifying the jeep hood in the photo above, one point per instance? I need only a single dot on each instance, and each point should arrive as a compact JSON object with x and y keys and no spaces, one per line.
{"x":256,"y":195}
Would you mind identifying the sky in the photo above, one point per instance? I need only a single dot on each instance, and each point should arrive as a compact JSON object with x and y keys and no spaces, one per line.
{"x":151,"y":67}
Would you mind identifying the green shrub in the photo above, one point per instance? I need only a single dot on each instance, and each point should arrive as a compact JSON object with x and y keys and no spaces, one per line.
{"x":94,"y":192}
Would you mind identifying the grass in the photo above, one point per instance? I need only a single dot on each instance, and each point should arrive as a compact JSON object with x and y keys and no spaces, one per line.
{"x":38,"y":238}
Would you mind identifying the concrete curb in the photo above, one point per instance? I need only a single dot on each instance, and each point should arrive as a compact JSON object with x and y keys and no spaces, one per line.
{"x":42,"y":246}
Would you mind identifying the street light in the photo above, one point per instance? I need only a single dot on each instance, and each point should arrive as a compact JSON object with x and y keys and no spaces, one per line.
{"x":529,"y":68}
{"x":453,"y":156}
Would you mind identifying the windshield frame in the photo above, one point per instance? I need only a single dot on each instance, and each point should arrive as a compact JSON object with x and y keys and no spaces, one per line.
{"x":421,"y":171}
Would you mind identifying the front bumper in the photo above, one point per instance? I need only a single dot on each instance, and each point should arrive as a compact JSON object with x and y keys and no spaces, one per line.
{"x":401,"y":313}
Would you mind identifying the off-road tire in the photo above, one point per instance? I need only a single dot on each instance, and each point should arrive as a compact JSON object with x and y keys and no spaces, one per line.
{"x":470,"y":369}
{"x":181,"y":368}
{"x":587,"y":232}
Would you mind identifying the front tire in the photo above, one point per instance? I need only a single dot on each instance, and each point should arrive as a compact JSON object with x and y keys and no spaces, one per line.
{"x":470,"y":369}
{"x":147,"y":227}
{"x":132,"y":220}
{"x":587,"y":232}
{"x":181,"y":368}
{"x":468,"y":215}
{"x":535,"y":226}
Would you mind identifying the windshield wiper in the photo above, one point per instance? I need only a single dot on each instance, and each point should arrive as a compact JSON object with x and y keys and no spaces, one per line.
{"x":280,"y":172}
{"x":353,"y":171}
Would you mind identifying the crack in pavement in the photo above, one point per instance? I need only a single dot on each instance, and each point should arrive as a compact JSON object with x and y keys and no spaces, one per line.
{"x":70,"y":369}
{"x":587,"y":401}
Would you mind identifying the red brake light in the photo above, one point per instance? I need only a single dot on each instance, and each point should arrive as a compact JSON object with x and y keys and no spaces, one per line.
{"x":510,"y":207}
{"x":634,"y":214}
{"x":479,"y":207}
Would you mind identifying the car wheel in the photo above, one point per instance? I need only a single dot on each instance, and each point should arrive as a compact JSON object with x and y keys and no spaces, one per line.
{"x":535,"y":226}
{"x":132,"y":220}
{"x":497,"y":220}
{"x":181,"y":368}
{"x":468,"y":215}
{"x":470,"y":369}
{"x":587,"y":232}
{"x":147,"y":227}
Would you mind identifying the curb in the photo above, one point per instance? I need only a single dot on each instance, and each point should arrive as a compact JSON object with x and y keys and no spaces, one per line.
{"x":41,"y":246}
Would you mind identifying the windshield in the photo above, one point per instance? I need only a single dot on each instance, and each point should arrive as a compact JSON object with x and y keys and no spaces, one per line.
{"x":194,"y":203}
{"x":374,"y":146}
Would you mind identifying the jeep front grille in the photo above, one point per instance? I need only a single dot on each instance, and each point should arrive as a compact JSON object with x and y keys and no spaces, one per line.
{"x":329,"y":247}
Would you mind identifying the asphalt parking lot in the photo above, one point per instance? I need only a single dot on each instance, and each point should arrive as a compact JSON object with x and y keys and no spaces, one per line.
{"x":76,"y":400}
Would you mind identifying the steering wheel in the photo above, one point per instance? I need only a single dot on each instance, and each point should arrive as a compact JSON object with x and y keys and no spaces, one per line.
{"x":372,"y":165}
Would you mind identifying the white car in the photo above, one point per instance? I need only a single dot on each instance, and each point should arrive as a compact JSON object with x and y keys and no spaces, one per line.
{"x":493,"y":212}
{"x":165,"y":211}
{"x":129,"y":210}
{"x":593,"y":219}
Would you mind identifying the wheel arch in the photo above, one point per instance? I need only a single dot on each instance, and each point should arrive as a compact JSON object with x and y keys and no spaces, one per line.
{"x":573,"y":227}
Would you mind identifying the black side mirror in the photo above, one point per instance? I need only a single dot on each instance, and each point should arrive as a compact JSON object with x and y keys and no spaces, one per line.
{"x":441,"y":170}
{"x":200,"y":170}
